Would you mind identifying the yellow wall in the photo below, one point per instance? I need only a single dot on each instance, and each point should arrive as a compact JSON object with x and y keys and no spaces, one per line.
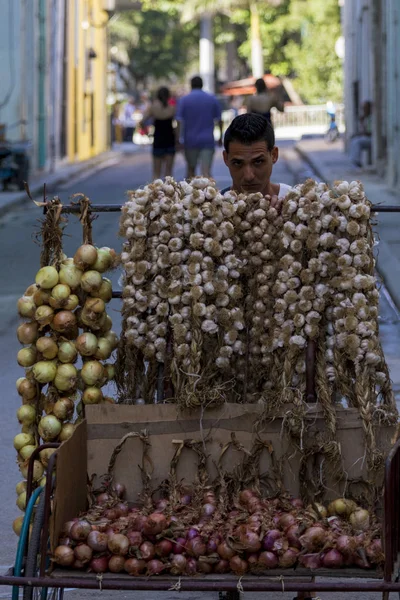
{"x":87,"y":120}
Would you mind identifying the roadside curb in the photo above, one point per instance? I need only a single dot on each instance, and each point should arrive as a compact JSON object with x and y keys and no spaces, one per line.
{"x":61,"y":177}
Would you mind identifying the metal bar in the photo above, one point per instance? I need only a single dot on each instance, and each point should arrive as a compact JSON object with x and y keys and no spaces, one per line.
{"x":47,"y":507}
{"x":108,"y":208}
{"x":251,"y":584}
{"x":310,"y":371}
{"x":117,"y":294}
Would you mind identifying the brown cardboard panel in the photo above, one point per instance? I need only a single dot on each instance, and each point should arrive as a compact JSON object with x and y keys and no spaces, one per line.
{"x":71,"y":482}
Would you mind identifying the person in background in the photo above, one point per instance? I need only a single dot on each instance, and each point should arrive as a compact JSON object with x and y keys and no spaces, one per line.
{"x":197,"y":114}
{"x":129,"y":120}
{"x":262,"y":102}
{"x":362,"y":140}
{"x":162,"y":113}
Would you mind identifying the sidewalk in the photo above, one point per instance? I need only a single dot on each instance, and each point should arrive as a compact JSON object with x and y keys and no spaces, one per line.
{"x":63,"y":174}
{"x":330,"y":163}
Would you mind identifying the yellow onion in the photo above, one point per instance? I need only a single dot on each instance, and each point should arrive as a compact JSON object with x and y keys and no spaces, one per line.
{"x":92,"y":395}
{"x":27,"y":332}
{"x":104,"y":260}
{"x":110,"y":371}
{"x":27,"y":429}
{"x":85,"y":256}
{"x":31,"y":290}
{"x":21,"y":487}
{"x":38,"y":469}
{"x":339,"y":507}
{"x":91,"y":281}
{"x":67,"y":260}
{"x":72,"y":302}
{"x":64,"y":321}
{"x":95,"y":305}
{"x":66,"y":377}
{"x":26,"y":357}
{"x":41,"y":297}
{"x":360,"y":520}
{"x":112,"y":337}
{"x":107,"y":325}
{"x":26,"y":307}
{"x":44,"y":371}
{"x":17,"y":525}
{"x":104,"y":349}
{"x":93,"y":320}
{"x":26,"y":414}
{"x":47,"y":347}
{"x":63,"y":409}
{"x":26,"y":388}
{"x":23,"y":439}
{"x":21,"y":501}
{"x":42,"y":482}
{"x":70,"y":275}
{"x":92,"y":372}
{"x":105,"y":291}
{"x":45,"y":455}
{"x":26,"y":452}
{"x":86,"y":344}
{"x":49,"y":428}
{"x":67,"y":352}
{"x":59,"y":295}
{"x":44,"y":315}
{"x":66,"y":431}
{"x":46,"y":278}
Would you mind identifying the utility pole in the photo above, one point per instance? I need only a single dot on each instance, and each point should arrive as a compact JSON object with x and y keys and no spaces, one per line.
{"x":207,"y":53}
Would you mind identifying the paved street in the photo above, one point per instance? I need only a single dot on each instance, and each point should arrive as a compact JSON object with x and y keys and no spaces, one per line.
{"x":19,"y":261}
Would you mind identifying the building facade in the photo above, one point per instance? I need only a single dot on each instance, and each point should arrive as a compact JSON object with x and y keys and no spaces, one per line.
{"x":372,"y":61}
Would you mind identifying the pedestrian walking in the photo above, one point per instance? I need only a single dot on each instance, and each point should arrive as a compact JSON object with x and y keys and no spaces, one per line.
{"x":197,"y":114}
{"x":129,"y":120}
{"x":262,"y":102}
{"x":162,"y":112}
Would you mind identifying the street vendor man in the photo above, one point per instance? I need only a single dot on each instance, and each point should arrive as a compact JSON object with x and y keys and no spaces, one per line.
{"x":250,"y":154}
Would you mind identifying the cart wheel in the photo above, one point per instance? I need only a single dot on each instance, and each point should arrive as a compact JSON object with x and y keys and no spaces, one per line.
{"x":33,"y":559}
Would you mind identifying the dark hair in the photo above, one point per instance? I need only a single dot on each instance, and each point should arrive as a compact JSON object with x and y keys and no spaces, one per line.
{"x":196,"y":83}
{"x":163,"y":95}
{"x":261,"y":86}
{"x":250,"y":128}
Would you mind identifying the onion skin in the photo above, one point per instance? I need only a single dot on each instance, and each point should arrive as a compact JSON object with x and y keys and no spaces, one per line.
{"x":268,"y":560}
{"x":99,"y":564}
{"x":179,"y":547}
{"x":359,"y":520}
{"x":238,"y":565}
{"x":147,"y":551}
{"x":155,"y":524}
{"x":118,"y":544}
{"x":289,"y":558}
{"x":80,"y":530}
{"x":97,"y":541}
{"x":178,"y":564}
{"x":225,"y":551}
{"x":116,"y":564}
{"x":196,"y":547}
{"x":313,"y":538}
{"x":191,"y":567}
{"x":135,"y":539}
{"x":332,"y":559}
{"x":27,"y":333}
{"x":83,"y":553}
{"x":64,"y":556}
{"x":135,"y":567}
{"x":163,"y":548}
{"x":155,"y":567}
{"x":311,"y":561}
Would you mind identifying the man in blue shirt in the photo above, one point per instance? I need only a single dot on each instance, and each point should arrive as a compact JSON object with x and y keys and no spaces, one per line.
{"x":196,"y":115}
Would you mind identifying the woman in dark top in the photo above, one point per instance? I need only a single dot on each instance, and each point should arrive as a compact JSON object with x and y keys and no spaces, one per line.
{"x":162,"y":114}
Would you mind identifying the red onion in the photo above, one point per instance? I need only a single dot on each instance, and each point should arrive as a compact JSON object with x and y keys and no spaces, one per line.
{"x":209,"y":497}
{"x":111,"y":514}
{"x":78,"y":564}
{"x":135,"y":538}
{"x":203,"y":566}
{"x":192,"y":533}
{"x":221,"y":567}
{"x":245,"y":496}
{"x":310,"y":561}
{"x":67,"y":527}
{"x":253,"y":505}
{"x":163,"y":548}
{"x":84,"y":553}
{"x":66,"y":541}
{"x":134,"y":567}
{"x":116,"y":564}
{"x":208,"y":509}
{"x":191,"y":566}
{"x":147,"y":550}
{"x":361,"y":560}
{"x":296,"y":502}
{"x":64,"y":556}
{"x":118,"y":544}
{"x":155,"y":524}
{"x":186,"y":500}
{"x":212,"y":545}
{"x":313,"y":538}
{"x":275,"y":519}
{"x":154,"y":567}
{"x":225,"y":551}
{"x":289,"y":558}
{"x":238,"y":565}
{"x":252,"y":560}
{"x":161,"y":505}
{"x":99,"y":564}
{"x":286,"y":520}
{"x":196,"y":547}
{"x":346,"y":545}
{"x":139,"y":522}
{"x":293,"y":534}
{"x":178,"y":564}
{"x":268,"y":560}
{"x":374,"y":552}
{"x":250,"y":541}
{"x":122,"y":508}
{"x":332,"y":559}
{"x":119,"y":489}
{"x":179,"y":546}
{"x":97,"y":541}
{"x":103,"y":498}
{"x":80,"y":531}
{"x":274,"y":541}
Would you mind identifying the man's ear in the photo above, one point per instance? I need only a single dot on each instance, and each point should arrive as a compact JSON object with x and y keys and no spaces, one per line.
{"x":275,"y":154}
{"x":225,"y":155}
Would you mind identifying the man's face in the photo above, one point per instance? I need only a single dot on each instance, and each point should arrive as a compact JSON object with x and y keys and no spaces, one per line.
{"x":250,"y":166}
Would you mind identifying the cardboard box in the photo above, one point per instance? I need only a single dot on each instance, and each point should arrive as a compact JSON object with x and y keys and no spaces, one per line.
{"x":89,"y":450}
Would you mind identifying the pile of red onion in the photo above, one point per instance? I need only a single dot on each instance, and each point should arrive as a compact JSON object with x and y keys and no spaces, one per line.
{"x":203,"y":535}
